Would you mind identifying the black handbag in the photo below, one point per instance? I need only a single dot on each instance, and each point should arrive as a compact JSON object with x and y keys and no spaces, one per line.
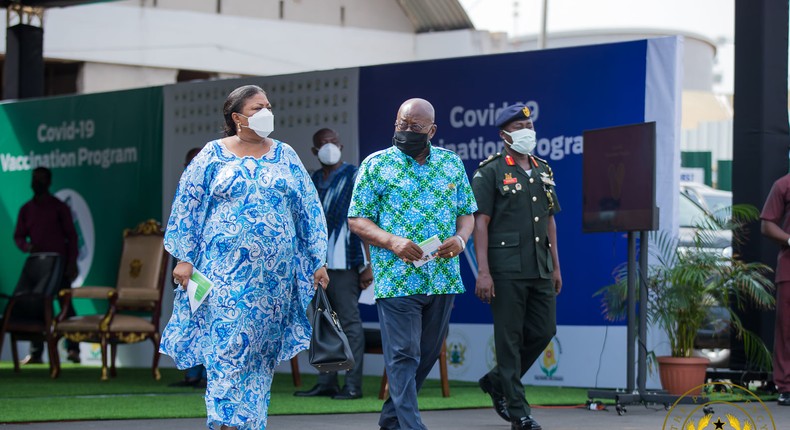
{"x":329,"y":349}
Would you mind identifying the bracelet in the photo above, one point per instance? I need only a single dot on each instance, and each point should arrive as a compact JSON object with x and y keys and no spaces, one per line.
{"x":463,"y":243}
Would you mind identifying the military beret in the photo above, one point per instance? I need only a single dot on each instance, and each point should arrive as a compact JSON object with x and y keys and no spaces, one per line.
{"x":512,"y":113}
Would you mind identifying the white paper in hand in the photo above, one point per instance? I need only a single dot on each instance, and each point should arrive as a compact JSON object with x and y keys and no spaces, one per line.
{"x":198,"y":289}
{"x":429,"y":247}
{"x":368,"y":295}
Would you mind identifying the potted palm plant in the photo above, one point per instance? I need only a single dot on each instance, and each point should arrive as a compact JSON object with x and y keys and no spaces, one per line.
{"x":685,"y":283}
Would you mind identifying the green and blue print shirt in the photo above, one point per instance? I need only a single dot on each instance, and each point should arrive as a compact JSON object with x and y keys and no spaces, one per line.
{"x":416,"y":202}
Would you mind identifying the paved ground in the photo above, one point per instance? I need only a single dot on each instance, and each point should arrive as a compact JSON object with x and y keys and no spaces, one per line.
{"x":636,"y":418}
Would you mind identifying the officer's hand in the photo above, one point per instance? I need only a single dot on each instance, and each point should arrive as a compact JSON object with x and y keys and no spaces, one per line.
{"x":450,"y":248}
{"x":556,"y":279}
{"x":484,"y":287}
{"x":405,"y":249}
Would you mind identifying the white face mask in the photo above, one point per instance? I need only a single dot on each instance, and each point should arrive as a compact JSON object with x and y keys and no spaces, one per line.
{"x":524,"y":140}
{"x":262,"y":123}
{"x":329,"y":154}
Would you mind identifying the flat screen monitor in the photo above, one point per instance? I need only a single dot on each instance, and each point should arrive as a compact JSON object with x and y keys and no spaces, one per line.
{"x":619,"y":179}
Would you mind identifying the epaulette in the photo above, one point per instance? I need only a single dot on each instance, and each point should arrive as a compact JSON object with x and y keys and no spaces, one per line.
{"x":490,"y":159}
{"x":541,"y":160}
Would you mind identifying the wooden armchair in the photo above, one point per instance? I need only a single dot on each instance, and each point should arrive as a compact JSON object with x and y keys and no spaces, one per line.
{"x":134,"y":304}
{"x":28,"y":315}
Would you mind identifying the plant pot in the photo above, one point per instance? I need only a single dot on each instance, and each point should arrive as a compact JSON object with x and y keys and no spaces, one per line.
{"x":681,"y":374}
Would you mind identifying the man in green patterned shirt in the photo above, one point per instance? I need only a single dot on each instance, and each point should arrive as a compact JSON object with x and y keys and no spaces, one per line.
{"x":405,"y":195}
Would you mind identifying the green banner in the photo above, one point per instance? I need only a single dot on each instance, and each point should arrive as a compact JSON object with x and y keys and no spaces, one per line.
{"x":724,"y":175}
{"x":698,"y":159}
{"x":105,"y":153}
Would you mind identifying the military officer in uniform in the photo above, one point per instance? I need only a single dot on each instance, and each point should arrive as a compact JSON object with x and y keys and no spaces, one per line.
{"x":518,"y":267}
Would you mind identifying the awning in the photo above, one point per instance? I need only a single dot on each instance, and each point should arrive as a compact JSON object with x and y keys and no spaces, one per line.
{"x":49,"y":3}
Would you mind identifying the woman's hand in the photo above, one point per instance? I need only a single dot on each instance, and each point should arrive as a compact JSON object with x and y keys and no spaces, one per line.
{"x":182,"y":273}
{"x":320,"y":277}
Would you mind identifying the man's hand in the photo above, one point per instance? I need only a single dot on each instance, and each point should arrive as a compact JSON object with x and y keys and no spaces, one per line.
{"x":366,"y":277}
{"x":484,"y":287}
{"x":71,"y":272}
{"x":405,"y":249}
{"x":450,"y":248}
{"x":556,"y":279}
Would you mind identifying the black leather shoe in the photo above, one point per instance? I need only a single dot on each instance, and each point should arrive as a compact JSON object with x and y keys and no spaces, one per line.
{"x":784,"y":399}
{"x":31,"y":359}
{"x":500,"y":404}
{"x":318,"y":390}
{"x":348,"y":394}
{"x":525,"y":423}
{"x":74,"y":357}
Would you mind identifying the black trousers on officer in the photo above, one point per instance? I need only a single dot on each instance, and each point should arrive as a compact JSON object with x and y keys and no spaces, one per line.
{"x":525,"y":321}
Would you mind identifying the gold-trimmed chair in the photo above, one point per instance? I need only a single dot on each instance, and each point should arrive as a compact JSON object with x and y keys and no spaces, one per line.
{"x":135,"y":303}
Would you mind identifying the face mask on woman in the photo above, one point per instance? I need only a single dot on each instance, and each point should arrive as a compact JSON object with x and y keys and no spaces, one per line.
{"x":329,"y":154}
{"x":262,"y":123}
{"x":410,"y":143}
{"x":524,"y":140}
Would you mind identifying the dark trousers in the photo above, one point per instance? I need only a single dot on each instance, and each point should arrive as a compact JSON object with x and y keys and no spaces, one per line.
{"x":782,"y":338}
{"x":413,"y":329}
{"x":525,"y":321}
{"x":37,"y":346}
{"x":343,"y":293}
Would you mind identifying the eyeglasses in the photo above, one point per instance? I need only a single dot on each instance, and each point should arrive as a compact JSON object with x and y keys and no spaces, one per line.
{"x":417,"y":128}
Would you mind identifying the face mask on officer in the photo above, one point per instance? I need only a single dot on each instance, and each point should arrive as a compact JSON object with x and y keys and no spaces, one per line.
{"x":410,"y":143}
{"x":524,"y":140}
{"x":329,"y":154}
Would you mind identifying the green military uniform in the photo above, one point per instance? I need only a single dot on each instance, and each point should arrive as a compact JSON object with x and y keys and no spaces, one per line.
{"x":519,"y":257}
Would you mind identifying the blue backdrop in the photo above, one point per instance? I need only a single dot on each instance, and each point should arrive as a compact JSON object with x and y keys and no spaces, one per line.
{"x":569,"y":90}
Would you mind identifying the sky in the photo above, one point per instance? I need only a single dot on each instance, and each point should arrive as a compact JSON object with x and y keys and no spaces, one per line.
{"x":714,"y":19}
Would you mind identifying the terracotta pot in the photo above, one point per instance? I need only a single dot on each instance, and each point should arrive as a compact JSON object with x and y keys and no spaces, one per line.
{"x":681,"y":374}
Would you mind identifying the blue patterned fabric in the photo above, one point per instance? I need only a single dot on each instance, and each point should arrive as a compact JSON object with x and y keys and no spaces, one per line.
{"x":413,"y":201}
{"x":255,"y":228}
{"x":335,"y":195}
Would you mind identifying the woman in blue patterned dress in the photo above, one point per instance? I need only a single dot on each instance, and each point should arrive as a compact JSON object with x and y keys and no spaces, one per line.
{"x":247,"y":216}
